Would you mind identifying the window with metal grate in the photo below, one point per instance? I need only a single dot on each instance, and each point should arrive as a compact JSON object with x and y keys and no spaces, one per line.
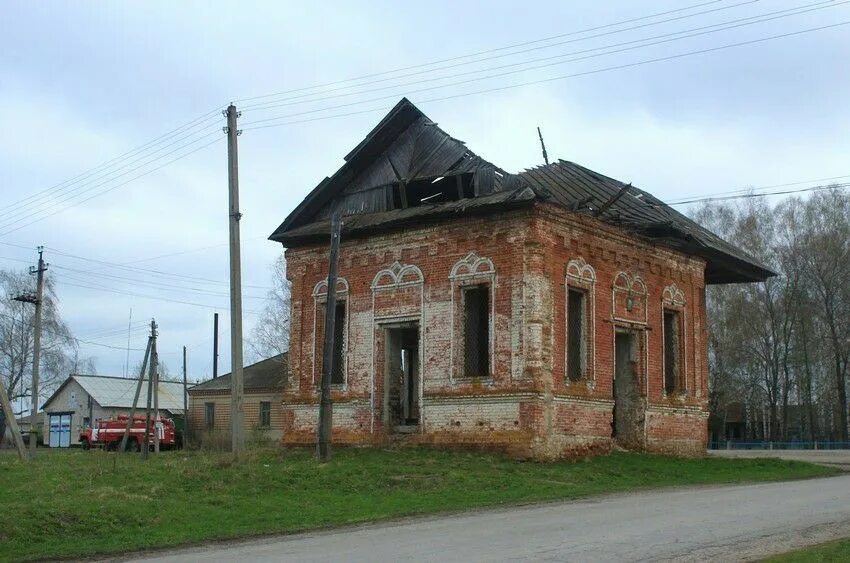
{"x":576,"y":334}
{"x":672,"y":352}
{"x":476,"y":330}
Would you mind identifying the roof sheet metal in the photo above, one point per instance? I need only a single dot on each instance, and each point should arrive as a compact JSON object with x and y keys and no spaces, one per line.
{"x":416,"y":147}
{"x":118,"y":392}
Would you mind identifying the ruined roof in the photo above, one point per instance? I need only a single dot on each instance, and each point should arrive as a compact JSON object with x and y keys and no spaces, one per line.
{"x":265,"y":374}
{"x":406,"y":148}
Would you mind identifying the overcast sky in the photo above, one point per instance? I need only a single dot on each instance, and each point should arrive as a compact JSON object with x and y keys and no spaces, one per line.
{"x":82,"y":83}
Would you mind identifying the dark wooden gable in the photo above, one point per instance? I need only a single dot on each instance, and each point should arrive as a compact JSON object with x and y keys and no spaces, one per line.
{"x":394,"y":167}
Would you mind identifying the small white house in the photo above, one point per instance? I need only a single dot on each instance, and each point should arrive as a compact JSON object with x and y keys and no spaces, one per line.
{"x":83,"y":399}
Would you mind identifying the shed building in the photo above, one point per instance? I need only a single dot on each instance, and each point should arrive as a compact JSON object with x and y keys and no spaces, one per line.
{"x":83,"y":399}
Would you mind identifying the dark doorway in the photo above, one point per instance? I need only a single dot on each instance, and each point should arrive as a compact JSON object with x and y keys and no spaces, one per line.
{"x":401,"y":396}
{"x":627,"y":424}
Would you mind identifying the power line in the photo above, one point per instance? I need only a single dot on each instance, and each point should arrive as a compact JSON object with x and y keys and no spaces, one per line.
{"x":144,"y":296}
{"x":110,"y":175}
{"x":11,"y":221}
{"x":204,"y":118}
{"x":69,"y":336}
{"x":131,"y":152}
{"x":484,"y":52}
{"x":757,"y":188}
{"x":146,"y":270}
{"x":764,"y":194}
{"x":184,"y":155}
{"x":107,"y":181}
{"x":152,"y":284}
{"x":563,"y":76}
{"x":733,"y":24}
{"x":274,"y":103}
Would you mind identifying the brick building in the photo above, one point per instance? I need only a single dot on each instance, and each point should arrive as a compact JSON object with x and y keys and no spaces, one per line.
{"x":552,"y":312}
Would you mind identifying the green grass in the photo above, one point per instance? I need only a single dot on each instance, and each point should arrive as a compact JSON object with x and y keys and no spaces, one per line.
{"x":75,"y":503}
{"x":832,"y":551}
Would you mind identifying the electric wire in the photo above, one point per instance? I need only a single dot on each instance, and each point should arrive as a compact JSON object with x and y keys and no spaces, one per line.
{"x":563,"y":76}
{"x":147,"y":270}
{"x":207,"y":116}
{"x":152,"y":284}
{"x":275,"y":103}
{"x":762,"y":194}
{"x":88,"y":173}
{"x":484,"y":52}
{"x":11,"y":220}
{"x":248,"y":124}
{"x":110,"y":176}
{"x":6,"y":225}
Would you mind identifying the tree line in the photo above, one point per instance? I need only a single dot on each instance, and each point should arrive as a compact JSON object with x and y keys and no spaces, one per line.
{"x":779,"y":350}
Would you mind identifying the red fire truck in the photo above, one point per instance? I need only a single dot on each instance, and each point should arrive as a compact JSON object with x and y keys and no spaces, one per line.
{"x":107,"y":433}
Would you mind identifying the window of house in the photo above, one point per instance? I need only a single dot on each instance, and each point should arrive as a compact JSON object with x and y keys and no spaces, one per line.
{"x":209,"y":415}
{"x":576,"y":334}
{"x":672,"y":352}
{"x":476,"y":330}
{"x":265,"y":414}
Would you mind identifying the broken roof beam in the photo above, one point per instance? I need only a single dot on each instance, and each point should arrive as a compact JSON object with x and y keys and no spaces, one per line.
{"x":612,"y":200}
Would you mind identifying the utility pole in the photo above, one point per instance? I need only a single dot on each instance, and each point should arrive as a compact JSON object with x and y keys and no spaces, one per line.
{"x":135,"y":397}
{"x":323,"y":449}
{"x":185,"y":404}
{"x":37,"y":300}
{"x":156,"y":422}
{"x":236,"y":382}
{"x":6,"y":407}
{"x":215,"y":345}
{"x":151,"y":371}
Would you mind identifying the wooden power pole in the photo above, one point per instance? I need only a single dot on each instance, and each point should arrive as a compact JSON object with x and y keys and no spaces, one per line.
{"x":36,"y":349}
{"x":236,"y":383}
{"x":151,"y":371}
{"x":156,"y":422}
{"x":215,"y":345}
{"x":185,"y":405}
{"x":323,"y":449}
{"x":36,"y":300}
{"x":130,"y":418}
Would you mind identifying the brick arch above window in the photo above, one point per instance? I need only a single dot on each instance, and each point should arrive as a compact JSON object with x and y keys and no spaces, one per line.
{"x":472,"y":265}
{"x":633,"y":284}
{"x":580,"y":271}
{"x":398,"y":275}
{"x":673,"y":296}
{"x":321,"y":288}
{"x":629,"y":296}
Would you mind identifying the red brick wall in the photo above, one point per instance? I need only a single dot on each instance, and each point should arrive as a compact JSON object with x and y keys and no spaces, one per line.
{"x":528,"y":401}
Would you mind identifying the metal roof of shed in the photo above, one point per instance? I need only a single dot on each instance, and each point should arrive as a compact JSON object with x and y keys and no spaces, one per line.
{"x":118,"y":392}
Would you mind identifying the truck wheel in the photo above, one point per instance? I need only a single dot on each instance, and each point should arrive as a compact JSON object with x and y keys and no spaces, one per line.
{"x":133,"y":445}
{"x":85,"y":444}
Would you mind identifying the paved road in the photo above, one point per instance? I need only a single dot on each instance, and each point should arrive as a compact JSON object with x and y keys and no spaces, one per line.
{"x":835,"y":458}
{"x":726,"y":523}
